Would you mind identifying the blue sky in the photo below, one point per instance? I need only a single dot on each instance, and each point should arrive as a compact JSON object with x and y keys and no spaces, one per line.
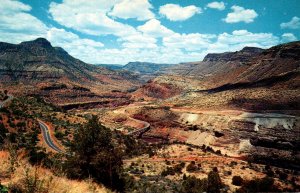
{"x":161,"y":31}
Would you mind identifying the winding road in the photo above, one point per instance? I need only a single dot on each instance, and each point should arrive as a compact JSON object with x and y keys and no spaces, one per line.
{"x":43,"y":126}
{"x":3,"y":103}
{"x":141,"y":130}
{"x":47,"y":138}
{"x":136,"y":132}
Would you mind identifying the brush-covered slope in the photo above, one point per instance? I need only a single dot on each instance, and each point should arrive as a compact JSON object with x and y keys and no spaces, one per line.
{"x":248,"y":65}
{"x":36,"y":67}
{"x":145,"y":67}
{"x":251,"y":79}
{"x":38,"y":59}
{"x":216,"y":63}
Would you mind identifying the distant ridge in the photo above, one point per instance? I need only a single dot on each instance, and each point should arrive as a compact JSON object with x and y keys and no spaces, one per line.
{"x":247,"y":65}
{"x":38,"y":59}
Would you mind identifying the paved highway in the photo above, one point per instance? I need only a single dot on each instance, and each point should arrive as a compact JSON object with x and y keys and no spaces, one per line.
{"x":43,"y":126}
{"x":47,"y":137}
{"x":141,"y":130}
{"x":2,"y":103}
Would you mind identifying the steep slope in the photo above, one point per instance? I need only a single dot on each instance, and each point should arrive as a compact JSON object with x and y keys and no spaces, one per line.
{"x":214,"y":64}
{"x":35,"y":67}
{"x":145,"y":70}
{"x":248,"y":65}
{"x":251,"y":79}
{"x":145,"y":67}
{"x":275,"y":61}
{"x":38,"y":59}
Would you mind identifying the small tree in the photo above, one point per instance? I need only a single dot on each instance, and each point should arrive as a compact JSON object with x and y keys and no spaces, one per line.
{"x":214,"y":182}
{"x":237,"y":180}
{"x":92,"y":154}
{"x":191,"y":184}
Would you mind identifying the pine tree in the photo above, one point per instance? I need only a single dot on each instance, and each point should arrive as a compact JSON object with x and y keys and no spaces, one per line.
{"x":92,"y":154}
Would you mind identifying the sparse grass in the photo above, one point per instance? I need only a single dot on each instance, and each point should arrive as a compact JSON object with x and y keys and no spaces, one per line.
{"x":28,"y":178}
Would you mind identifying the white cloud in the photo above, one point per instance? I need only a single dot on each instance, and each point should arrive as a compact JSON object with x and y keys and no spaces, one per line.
{"x":154,"y":28}
{"x":240,"y":14}
{"x":293,"y":24}
{"x":69,"y":40}
{"x":138,"y":41}
{"x":175,"y":12}
{"x":216,"y":5}
{"x":8,"y":6}
{"x":16,"y":24}
{"x":288,"y":37}
{"x":189,"y":42}
{"x":141,"y":44}
{"x":240,"y":39}
{"x":139,"y":9}
{"x":89,"y":17}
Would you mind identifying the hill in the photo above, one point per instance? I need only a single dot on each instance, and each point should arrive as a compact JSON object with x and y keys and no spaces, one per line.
{"x":252,"y":79}
{"x":248,"y":65}
{"x":37,"y":68}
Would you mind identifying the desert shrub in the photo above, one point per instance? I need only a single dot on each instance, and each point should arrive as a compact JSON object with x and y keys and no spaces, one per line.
{"x":193,"y":128}
{"x":237,"y":180}
{"x":58,"y":134}
{"x":21,"y":124}
{"x":191,"y":184}
{"x":218,"y":152}
{"x":3,"y":189}
{"x":3,"y":132}
{"x":173,"y":170}
{"x":178,"y":168}
{"x":283,"y":176}
{"x":192,"y":167}
{"x":189,"y":149}
{"x":258,"y":185}
{"x":168,"y":171}
{"x":270,"y":173}
{"x":4,"y":110}
{"x":214,"y":182}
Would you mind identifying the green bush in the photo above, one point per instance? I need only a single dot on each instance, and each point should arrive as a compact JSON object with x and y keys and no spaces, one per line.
{"x":258,"y":185}
{"x":214,"y":182}
{"x":192,"y":167}
{"x":3,"y":189}
{"x":237,"y":180}
{"x":92,"y":155}
{"x":191,"y":184}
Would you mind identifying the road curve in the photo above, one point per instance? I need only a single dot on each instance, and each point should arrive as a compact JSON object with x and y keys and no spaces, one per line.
{"x":3,"y":103}
{"x":141,"y":130}
{"x":47,"y":137}
{"x":136,"y":132}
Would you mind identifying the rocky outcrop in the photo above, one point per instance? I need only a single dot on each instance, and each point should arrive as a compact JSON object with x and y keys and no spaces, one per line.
{"x":245,"y":55}
{"x":145,"y":67}
{"x":246,"y":66}
{"x":38,"y":59}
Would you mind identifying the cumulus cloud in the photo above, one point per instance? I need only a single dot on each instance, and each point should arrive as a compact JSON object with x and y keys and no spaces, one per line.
{"x":69,"y":40}
{"x":189,"y":42}
{"x":175,"y":12}
{"x":240,"y":14}
{"x":89,"y":17}
{"x":293,"y":24}
{"x":239,"y":39}
{"x":154,"y":28}
{"x":139,"y":9}
{"x":8,"y":6}
{"x":288,"y":37}
{"x":216,"y":5}
{"x":138,"y":41}
{"x":151,"y":41}
{"x":16,"y":24}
